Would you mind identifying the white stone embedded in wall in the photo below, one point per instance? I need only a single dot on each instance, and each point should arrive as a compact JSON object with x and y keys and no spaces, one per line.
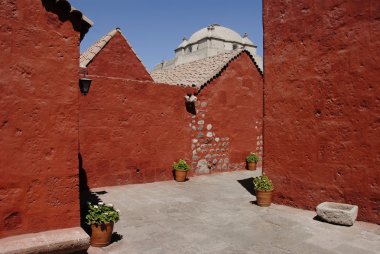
{"x":202,"y":167}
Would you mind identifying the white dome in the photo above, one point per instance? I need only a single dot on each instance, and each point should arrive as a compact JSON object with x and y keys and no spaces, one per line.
{"x":183,"y":43}
{"x":216,"y":31}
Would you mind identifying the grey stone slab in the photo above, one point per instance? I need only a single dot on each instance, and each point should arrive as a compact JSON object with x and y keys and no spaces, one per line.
{"x":214,"y":214}
{"x":349,"y":249}
{"x":59,"y":241}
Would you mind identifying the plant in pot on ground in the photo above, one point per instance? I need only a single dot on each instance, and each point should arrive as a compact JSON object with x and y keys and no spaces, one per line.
{"x":101,"y":217}
{"x":180,"y":169}
{"x":252,"y":160}
{"x":264,"y":189}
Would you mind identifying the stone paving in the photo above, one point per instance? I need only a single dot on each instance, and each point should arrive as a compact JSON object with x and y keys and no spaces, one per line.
{"x":217,"y":214}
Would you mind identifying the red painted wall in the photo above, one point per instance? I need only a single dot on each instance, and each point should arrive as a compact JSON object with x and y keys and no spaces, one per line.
{"x":132,"y":131}
{"x":117,"y":59}
{"x":322,"y":103}
{"x":38,"y":120}
{"x":228,"y":124}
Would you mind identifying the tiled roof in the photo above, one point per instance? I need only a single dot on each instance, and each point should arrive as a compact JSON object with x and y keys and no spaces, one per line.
{"x":87,"y":56}
{"x":198,"y":73}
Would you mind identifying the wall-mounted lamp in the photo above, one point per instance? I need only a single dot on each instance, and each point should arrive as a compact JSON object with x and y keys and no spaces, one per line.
{"x":84,"y":85}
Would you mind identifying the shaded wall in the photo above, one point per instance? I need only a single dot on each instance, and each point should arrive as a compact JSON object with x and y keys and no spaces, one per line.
{"x":132,"y":131}
{"x":38,"y":120}
{"x":228,"y":123}
{"x":322,"y":103}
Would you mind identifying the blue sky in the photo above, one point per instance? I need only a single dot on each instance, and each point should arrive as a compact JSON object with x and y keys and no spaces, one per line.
{"x":154,"y":28}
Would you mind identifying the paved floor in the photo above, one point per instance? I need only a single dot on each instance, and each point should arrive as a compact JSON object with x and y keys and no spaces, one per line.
{"x":215,"y":214}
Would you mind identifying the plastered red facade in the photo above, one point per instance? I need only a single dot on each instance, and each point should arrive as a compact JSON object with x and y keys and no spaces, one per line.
{"x":131,"y":131}
{"x":117,"y":59}
{"x":228,"y":123}
{"x":322,"y":102}
{"x":38,"y":120}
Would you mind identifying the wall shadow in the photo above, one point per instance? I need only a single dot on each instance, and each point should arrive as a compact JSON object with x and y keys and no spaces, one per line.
{"x":248,"y":185}
{"x":86,"y":196}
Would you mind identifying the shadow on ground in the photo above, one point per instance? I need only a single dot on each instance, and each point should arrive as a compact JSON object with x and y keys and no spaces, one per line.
{"x":248,"y":185}
{"x":86,"y":196}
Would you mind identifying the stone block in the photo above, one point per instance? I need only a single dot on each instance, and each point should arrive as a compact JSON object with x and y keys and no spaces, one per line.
{"x":202,"y":167}
{"x":337,"y":213}
{"x":68,"y":240}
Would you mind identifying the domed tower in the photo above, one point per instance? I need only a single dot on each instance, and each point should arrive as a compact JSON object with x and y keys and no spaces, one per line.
{"x":210,"y":41}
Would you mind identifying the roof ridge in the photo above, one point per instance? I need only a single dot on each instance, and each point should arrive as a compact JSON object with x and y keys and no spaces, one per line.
{"x":87,"y":56}
{"x":214,"y":64}
{"x":134,"y":52}
{"x":225,"y":67}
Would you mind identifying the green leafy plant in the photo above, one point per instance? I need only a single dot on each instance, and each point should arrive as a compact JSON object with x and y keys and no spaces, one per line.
{"x":262,"y":183}
{"x":181,"y":165}
{"x":252,"y":157}
{"x":101,"y":213}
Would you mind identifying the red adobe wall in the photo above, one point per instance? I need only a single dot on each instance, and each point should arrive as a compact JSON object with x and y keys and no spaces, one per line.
{"x":132,"y":131}
{"x":322,"y":118}
{"x":117,"y":59}
{"x":38,"y":120}
{"x":228,"y":123}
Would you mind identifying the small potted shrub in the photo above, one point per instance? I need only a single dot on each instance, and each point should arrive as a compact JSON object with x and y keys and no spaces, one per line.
{"x":264,"y":189}
{"x":101,"y":217}
{"x":252,"y":160}
{"x":180,"y":169}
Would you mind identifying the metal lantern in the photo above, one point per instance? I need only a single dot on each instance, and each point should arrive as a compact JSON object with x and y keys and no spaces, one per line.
{"x":84,"y":85}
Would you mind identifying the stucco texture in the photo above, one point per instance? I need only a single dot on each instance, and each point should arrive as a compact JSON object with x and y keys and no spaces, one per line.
{"x":322,"y":102}
{"x":38,"y":120}
{"x":117,"y":59}
{"x":132,"y":131}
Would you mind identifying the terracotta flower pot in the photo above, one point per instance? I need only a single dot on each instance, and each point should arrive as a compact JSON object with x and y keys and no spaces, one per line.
{"x":251,"y":165}
{"x":101,"y":234}
{"x":180,"y":175}
{"x":264,"y":198}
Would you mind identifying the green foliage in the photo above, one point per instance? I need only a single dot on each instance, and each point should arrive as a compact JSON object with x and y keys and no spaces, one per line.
{"x":181,"y":165}
{"x":101,"y":213}
{"x":262,"y":183}
{"x":252,"y":157}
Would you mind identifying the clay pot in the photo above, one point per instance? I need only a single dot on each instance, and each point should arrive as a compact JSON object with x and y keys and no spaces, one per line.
{"x":264,"y":198}
{"x":180,"y":175}
{"x":101,"y":234}
{"x":251,"y":165}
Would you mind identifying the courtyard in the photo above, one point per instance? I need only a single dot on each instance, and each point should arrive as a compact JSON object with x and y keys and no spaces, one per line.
{"x":218,"y":214}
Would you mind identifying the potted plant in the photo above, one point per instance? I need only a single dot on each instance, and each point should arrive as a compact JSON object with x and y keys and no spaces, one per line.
{"x":252,"y":160}
{"x":180,"y":169}
{"x":101,"y":217}
{"x":264,"y":189}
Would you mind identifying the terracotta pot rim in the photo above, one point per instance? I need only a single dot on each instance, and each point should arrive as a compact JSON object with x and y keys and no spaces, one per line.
{"x":264,"y":190}
{"x":181,"y":170}
{"x":102,"y":223}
